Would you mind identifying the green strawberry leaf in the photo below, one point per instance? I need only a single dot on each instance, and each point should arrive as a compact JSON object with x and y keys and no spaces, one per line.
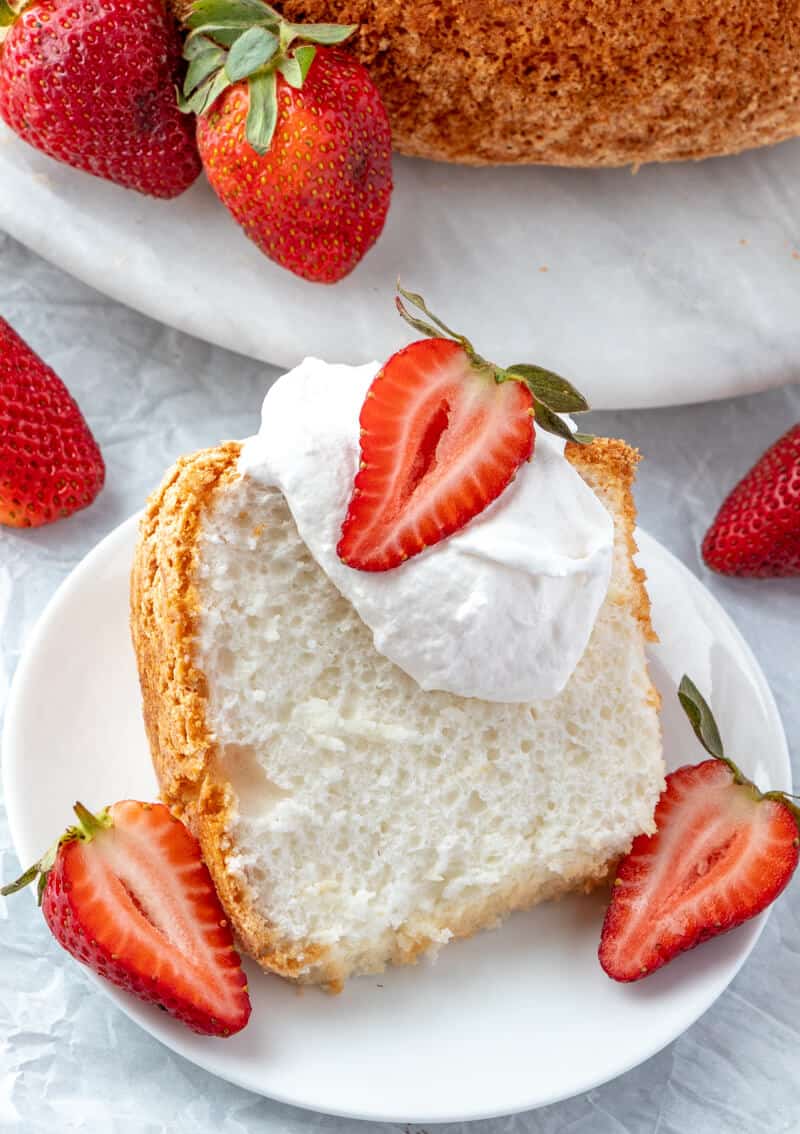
{"x":552,"y":423}
{"x":87,"y":827}
{"x":249,"y":53}
{"x":418,"y":324}
{"x":196,"y":44}
{"x":418,"y":302}
{"x":206,"y":95}
{"x":214,"y":89}
{"x":7,"y":15}
{"x":258,"y":38}
{"x":305,"y":57}
{"x":39,"y":871}
{"x":263,"y":113}
{"x":291,"y":71}
{"x":201,"y":67}
{"x":20,"y":883}
{"x":231,"y":13}
{"x":218,"y":33}
{"x":700,"y":717}
{"x":559,"y":394}
{"x":295,"y":67}
{"x":325,"y":34}
{"x":186,"y":105}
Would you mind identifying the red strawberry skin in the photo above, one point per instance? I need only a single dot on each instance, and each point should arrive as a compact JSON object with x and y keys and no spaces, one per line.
{"x":93,"y":83}
{"x":757,"y":530}
{"x":317,"y":201}
{"x":50,"y":464}
{"x":440,"y":440}
{"x":137,"y":905}
{"x":720,"y":855}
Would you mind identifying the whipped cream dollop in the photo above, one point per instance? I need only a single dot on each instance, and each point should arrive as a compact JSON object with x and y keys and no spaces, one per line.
{"x":503,"y":609}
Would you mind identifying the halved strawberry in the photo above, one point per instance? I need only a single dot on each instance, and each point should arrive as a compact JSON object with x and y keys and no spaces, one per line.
{"x":443,"y":433}
{"x":127,"y":893}
{"x":721,"y":853}
{"x":440,"y":440}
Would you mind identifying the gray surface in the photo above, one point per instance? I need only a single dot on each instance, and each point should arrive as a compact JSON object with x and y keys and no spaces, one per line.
{"x":71,"y":1061}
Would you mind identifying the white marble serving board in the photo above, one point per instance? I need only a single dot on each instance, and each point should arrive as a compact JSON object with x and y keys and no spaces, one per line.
{"x":678,"y":284}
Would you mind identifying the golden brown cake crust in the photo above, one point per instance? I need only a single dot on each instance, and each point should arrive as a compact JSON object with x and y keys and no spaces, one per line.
{"x":164,"y":611}
{"x":163,"y":616}
{"x":619,"y":462}
{"x":578,"y":82}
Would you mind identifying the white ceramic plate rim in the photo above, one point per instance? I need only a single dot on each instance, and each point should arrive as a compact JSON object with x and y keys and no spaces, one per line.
{"x":177,"y":1040}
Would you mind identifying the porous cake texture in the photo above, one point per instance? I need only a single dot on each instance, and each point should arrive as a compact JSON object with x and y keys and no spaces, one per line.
{"x":577,"y":82}
{"x":349,"y":818}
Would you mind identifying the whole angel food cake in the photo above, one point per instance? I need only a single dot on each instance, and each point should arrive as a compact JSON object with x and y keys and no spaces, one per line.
{"x":392,"y":657}
{"x":584,"y":82}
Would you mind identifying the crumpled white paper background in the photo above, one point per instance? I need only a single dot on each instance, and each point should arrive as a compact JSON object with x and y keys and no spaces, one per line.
{"x":69,"y":1060}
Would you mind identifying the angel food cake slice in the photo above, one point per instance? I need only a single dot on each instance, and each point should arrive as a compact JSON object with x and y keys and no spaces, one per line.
{"x":350,"y":817}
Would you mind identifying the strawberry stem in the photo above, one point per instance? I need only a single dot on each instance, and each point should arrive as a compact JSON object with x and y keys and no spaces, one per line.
{"x":701,"y":719}
{"x":87,"y":827}
{"x":20,"y":883}
{"x":704,"y":725}
{"x":90,"y":825}
{"x":420,"y":304}
{"x":39,"y":871}
{"x":552,"y":395}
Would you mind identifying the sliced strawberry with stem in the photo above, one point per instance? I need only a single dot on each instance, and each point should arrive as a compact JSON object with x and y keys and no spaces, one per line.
{"x":439,"y":441}
{"x":127,"y":893}
{"x":721,"y":853}
{"x":443,"y":433}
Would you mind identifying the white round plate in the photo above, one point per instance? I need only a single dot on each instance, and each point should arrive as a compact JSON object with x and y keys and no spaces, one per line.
{"x":508,"y":1020}
{"x":679,"y":284}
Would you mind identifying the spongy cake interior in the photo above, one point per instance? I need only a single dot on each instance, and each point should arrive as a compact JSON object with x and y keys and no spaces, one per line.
{"x":377,"y":820}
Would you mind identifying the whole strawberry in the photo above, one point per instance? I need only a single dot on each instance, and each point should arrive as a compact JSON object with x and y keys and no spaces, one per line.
{"x":127,"y":893}
{"x":50,"y":464}
{"x":757,"y":530}
{"x":294,"y":139}
{"x":92,"y":83}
